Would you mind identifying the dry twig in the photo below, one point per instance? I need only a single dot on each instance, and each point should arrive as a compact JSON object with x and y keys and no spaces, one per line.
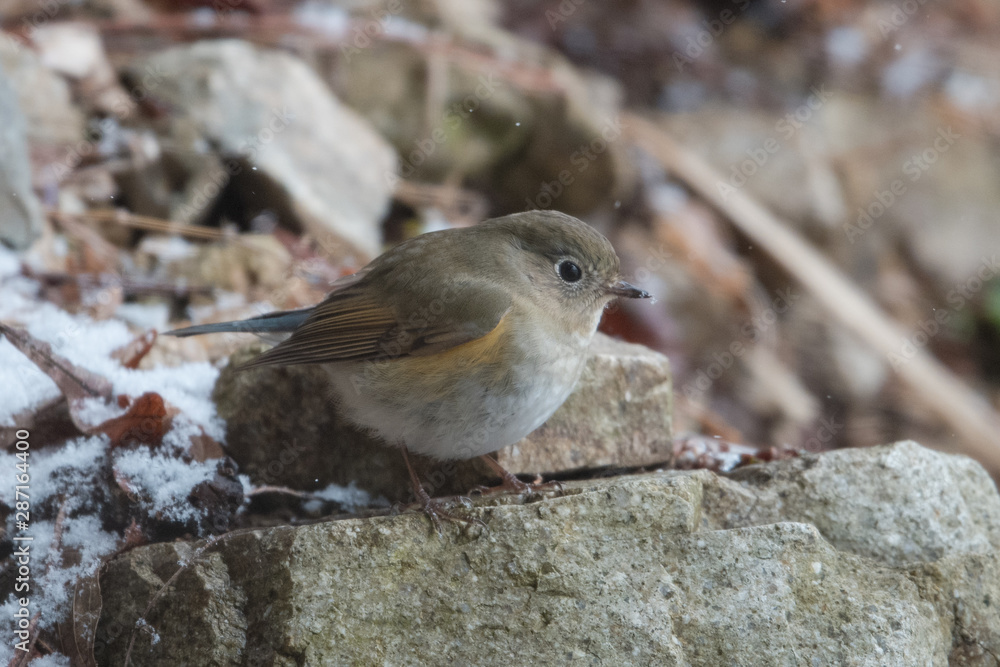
{"x":933,"y":384}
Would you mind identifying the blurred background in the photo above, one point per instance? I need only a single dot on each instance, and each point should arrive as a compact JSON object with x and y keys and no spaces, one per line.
{"x":809,"y":187}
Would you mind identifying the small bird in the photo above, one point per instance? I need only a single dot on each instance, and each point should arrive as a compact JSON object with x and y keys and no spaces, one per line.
{"x":456,"y":343}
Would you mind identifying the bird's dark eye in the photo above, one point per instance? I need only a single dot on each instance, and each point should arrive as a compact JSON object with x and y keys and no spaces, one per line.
{"x":569,"y":271}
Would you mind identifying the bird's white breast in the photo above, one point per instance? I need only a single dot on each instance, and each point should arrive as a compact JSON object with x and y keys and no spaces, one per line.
{"x":459,"y":413}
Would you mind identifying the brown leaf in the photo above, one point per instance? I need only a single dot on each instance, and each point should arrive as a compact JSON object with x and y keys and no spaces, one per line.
{"x":96,"y":254}
{"x":125,"y":484}
{"x":130,"y":355}
{"x":143,"y":423}
{"x":134,"y":537}
{"x":203,"y":448}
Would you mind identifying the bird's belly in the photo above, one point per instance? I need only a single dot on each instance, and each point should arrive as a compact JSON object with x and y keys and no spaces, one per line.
{"x":452,"y":413}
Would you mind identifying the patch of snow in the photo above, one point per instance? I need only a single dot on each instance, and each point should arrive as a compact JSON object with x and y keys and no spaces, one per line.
{"x":331,"y":21}
{"x":846,"y":46}
{"x":69,"y":469}
{"x":164,"y":482}
{"x":70,"y":475}
{"x":24,"y":386}
{"x":89,"y":344}
{"x":971,"y":92}
{"x":349,"y":497}
{"x":145,"y":315}
{"x":909,"y":73}
{"x":95,"y":411}
{"x":52,"y":660}
{"x":10,"y":263}
{"x":167,"y":249}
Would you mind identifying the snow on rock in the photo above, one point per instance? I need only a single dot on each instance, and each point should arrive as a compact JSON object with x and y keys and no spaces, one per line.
{"x":84,"y":492}
{"x":89,"y":344}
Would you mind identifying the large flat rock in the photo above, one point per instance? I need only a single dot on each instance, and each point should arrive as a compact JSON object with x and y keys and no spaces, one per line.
{"x":684,"y":568}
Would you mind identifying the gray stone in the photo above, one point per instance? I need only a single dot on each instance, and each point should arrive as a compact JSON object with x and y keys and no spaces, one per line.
{"x":630,"y":571}
{"x":55,"y":126}
{"x":619,"y":415}
{"x":282,"y":428}
{"x":920,"y":504}
{"x":319,"y":159}
{"x":20,"y":212}
{"x":542,"y":136}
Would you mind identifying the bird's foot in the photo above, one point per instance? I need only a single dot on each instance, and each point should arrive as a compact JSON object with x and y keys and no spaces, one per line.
{"x":440,"y":509}
{"x":437,"y":509}
{"x":509,"y":483}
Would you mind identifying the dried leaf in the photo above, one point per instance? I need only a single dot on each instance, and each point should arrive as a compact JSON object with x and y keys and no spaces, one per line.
{"x":130,"y":355}
{"x":125,"y":484}
{"x":134,"y":537}
{"x":145,"y":423}
{"x":203,"y":448}
{"x":74,"y":382}
{"x":95,"y":254}
{"x":87,"y":604}
{"x":702,"y":452}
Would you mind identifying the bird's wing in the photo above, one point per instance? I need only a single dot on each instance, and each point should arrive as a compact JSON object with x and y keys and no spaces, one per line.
{"x":352,"y":325}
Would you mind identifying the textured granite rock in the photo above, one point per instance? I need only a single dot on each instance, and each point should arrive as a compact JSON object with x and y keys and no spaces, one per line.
{"x":668,"y":569}
{"x":282,"y":428}
{"x":320,"y":162}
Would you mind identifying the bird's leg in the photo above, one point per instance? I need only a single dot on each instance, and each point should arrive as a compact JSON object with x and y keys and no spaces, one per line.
{"x":434,"y":509}
{"x":510,"y":482}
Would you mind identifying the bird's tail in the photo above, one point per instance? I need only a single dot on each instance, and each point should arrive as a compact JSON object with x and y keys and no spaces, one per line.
{"x":283,"y":321}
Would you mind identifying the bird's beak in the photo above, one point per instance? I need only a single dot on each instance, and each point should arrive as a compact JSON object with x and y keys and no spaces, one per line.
{"x":622,"y":288}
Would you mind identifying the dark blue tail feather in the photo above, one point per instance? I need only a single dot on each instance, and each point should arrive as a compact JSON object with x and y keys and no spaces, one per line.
{"x":280,"y":322}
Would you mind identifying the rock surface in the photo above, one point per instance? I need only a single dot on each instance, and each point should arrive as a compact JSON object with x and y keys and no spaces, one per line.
{"x":20,"y":213}
{"x":542,"y":136}
{"x":619,"y":415}
{"x":320,"y":160}
{"x":282,"y":428}
{"x":899,"y":567}
{"x":54,"y":124}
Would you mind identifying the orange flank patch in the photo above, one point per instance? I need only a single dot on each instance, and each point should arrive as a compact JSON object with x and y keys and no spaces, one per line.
{"x":483,"y":351}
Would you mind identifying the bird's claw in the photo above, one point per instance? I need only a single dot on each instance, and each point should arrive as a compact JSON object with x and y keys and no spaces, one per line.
{"x":514,"y":485}
{"x":437,"y":510}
